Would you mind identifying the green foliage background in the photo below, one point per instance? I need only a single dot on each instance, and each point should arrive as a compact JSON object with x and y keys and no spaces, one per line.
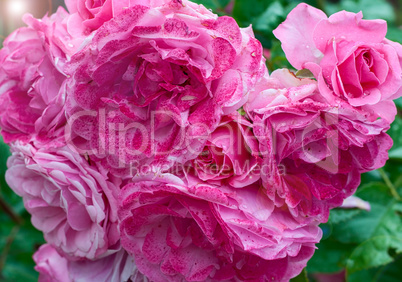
{"x":357,"y":245}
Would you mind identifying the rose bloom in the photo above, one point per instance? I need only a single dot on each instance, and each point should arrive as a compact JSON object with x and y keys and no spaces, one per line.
{"x":230,"y":154}
{"x":350,"y":57}
{"x":197,"y":231}
{"x":70,"y":201}
{"x":313,"y":153}
{"x":153,"y":83}
{"x":93,"y":14}
{"x":32,"y":80}
{"x":117,"y":267}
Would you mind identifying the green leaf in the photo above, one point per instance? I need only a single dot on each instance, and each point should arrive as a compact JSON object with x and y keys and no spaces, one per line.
{"x":377,"y":234}
{"x":395,"y":34}
{"x":362,"y":275}
{"x":4,"y":154}
{"x":371,"y":176}
{"x":264,"y":16}
{"x":304,"y":73}
{"x":398,"y":102}
{"x":340,"y":215}
{"x":217,"y":6}
{"x":326,"y":230}
{"x":396,"y":134}
{"x":278,"y":57}
{"x":19,"y":265}
{"x":244,"y":13}
{"x":372,"y":9}
{"x":12,"y":199}
{"x":330,"y":257}
{"x":269,"y":19}
{"x":390,"y":272}
{"x":302,"y":277}
{"x":382,"y":220}
{"x":374,"y":252}
{"x":17,"y":244}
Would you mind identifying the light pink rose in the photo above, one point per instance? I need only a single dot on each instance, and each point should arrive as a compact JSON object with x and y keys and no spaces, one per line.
{"x":50,"y":265}
{"x":350,"y":57}
{"x":32,"y":79}
{"x":154,"y":82}
{"x":117,"y":267}
{"x":313,"y":153}
{"x":197,"y":231}
{"x":70,"y":200}
{"x":230,"y":154}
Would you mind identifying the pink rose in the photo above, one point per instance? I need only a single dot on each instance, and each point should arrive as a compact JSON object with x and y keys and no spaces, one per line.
{"x":230,"y":154}
{"x":70,"y":201}
{"x":154,"y":82}
{"x":53,"y":267}
{"x":313,"y":153}
{"x":32,"y":79}
{"x":195,"y":231}
{"x":93,"y":14}
{"x":350,"y":57}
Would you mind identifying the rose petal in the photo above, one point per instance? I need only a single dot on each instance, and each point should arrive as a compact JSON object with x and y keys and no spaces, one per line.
{"x":349,"y":27}
{"x":296,"y":35}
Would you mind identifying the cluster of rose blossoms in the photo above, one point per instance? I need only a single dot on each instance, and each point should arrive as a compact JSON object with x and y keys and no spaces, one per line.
{"x":149,"y":142}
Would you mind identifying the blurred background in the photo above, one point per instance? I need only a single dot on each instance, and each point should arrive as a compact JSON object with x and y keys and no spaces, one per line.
{"x":357,"y":245}
{"x":11,"y":12}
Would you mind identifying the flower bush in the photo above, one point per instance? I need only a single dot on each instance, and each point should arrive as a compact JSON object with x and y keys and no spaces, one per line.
{"x":150,"y":142}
